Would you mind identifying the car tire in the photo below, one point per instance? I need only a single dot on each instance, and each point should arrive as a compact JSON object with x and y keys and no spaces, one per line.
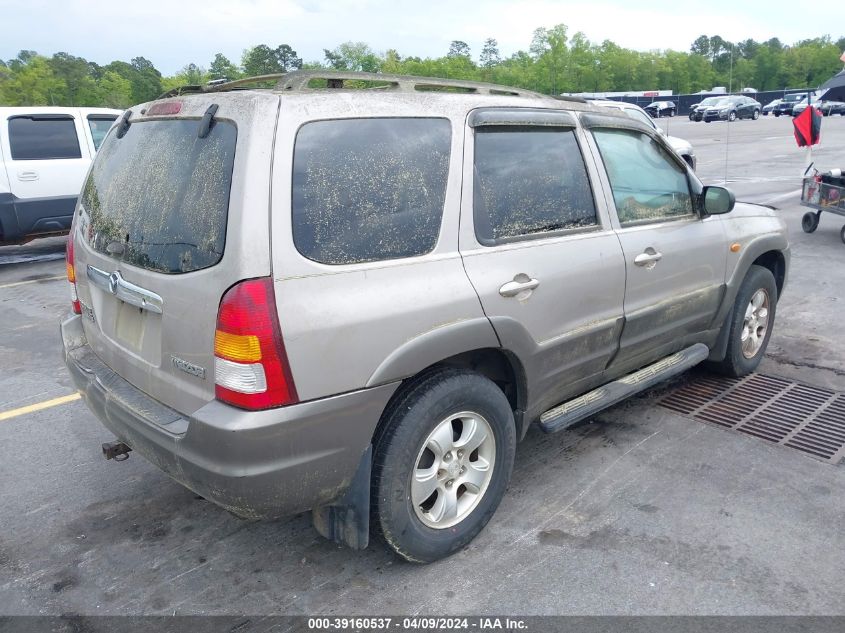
{"x":422,"y":434}
{"x":732,"y":115}
{"x":842,"y":234}
{"x":809,"y":222}
{"x":751,"y":320}
{"x":755,"y":115}
{"x":671,"y":113}
{"x":691,"y":116}
{"x":776,"y":113}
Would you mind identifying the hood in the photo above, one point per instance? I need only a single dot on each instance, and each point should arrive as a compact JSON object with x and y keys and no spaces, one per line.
{"x":751,"y":210}
{"x":679,"y":145}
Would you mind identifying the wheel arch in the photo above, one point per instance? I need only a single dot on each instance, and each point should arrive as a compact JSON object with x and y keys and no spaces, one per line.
{"x":500,"y":366}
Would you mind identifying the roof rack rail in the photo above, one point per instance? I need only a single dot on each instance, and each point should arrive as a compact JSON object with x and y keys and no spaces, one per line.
{"x":300,"y":80}
{"x":335,"y":79}
{"x":221,"y":87}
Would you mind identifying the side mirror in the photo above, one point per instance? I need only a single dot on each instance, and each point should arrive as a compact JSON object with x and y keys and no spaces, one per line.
{"x":718,"y":200}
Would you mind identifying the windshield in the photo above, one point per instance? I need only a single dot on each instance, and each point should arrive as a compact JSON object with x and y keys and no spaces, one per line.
{"x":710,"y":101}
{"x":158,"y":198}
{"x":794,"y":98}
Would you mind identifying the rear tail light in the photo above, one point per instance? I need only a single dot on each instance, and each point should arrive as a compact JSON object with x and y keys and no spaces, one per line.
{"x":71,"y":270}
{"x":251,"y":369}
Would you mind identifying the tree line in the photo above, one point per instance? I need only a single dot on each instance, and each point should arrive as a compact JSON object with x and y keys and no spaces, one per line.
{"x":555,"y":62}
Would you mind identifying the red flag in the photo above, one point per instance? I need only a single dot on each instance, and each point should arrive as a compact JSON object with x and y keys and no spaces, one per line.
{"x":843,"y":57}
{"x":808,"y":127}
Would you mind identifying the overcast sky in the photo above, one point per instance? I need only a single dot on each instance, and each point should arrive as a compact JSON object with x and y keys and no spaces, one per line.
{"x":172,"y":33}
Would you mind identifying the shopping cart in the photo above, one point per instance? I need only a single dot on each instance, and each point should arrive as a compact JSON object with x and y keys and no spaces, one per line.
{"x":823,"y":192}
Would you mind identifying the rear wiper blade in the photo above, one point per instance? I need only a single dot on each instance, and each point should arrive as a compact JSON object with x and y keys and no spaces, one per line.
{"x":207,"y":121}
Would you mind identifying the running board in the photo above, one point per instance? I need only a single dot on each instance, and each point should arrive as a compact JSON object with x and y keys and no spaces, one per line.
{"x":572,"y":411}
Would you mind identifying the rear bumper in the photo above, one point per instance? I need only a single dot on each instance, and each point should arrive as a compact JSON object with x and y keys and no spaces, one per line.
{"x":254,"y":464}
{"x":24,"y":219}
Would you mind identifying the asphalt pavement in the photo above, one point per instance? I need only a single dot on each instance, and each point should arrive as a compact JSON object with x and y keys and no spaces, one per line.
{"x":641,"y":511}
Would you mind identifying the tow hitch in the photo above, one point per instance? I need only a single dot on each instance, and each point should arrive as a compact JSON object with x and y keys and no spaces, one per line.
{"x":118,"y":451}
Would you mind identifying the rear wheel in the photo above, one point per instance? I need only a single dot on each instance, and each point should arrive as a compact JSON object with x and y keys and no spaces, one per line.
{"x":756,"y":114}
{"x":671,"y":113}
{"x":842,"y":234}
{"x":810,"y":222}
{"x":442,"y":464}
{"x":752,"y":318}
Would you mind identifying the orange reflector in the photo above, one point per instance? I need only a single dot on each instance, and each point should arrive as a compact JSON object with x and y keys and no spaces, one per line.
{"x":71,"y":273}
{"x":237,"y":347}
{"x":735,"y":247}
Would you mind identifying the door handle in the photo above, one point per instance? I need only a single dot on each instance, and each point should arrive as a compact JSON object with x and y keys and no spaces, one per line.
{"x":522,"y":283}
{"x":27,"y":175}
{"x":648,"y":258}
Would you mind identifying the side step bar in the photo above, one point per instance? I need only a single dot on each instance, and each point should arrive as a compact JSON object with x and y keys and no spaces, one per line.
{"x":582,"y":407}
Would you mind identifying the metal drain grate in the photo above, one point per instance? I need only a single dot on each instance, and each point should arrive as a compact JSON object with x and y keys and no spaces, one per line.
{"x":808,"y":419}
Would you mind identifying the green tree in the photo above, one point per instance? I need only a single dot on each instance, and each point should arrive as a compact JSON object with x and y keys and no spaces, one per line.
{"x":260,"y":60}
{"x":31,"y":82}
{"x":490,"y":53}
{"x":458,"y":48}
{"x":114,"y":90}
{"x":287,"y":58}
{"x":222,"y":68}
{"x":80,"y":88}
{"x":355,"y":56}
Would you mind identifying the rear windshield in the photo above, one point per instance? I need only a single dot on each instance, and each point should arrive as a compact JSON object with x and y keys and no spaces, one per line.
{"x":158,"y":198}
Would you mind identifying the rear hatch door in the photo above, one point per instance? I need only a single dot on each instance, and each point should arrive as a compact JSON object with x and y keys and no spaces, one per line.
{"x":171,"y":216}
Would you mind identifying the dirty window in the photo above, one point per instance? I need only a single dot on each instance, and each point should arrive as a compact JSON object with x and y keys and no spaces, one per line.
{"x":647,"y":184}
{"x":43,"y":137}
{"x":158,"y":198}
{"x":369,"y":189}
{"x":529,"y":181}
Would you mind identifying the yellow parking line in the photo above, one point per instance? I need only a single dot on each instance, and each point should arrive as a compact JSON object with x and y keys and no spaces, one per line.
{"x":38,"y":406}
{"x":33,"y":281}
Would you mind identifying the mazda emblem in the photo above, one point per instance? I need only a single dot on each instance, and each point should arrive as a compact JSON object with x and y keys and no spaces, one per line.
{"x":114,"y":279}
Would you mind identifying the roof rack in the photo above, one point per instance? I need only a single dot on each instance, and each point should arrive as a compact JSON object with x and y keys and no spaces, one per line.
{"x":300,"y":80}
{"x":336,"y":79}
{"x":221,"y":87}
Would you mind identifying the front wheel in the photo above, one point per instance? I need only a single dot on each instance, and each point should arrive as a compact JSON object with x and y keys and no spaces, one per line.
{"x":810,"y":222}
{"x":752,"y":318}
{"x":732,"y":116}
{"x":842,"y":234}
{"x":442,"y":464}
{"x":691,"y":116}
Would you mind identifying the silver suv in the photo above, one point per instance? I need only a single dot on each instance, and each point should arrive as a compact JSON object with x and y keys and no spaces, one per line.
{"x":358,"y":301}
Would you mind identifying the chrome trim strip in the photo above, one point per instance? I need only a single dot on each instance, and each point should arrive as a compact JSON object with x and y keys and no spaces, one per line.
{"x":114,"y":284}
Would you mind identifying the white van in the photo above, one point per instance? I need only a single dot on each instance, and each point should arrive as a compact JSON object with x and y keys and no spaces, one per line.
{"x":44,"y":156}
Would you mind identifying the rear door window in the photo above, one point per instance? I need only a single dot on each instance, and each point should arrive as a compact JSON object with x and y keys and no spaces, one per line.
{"x":529,"y":182}
{"x":158,"y":198}
{"x":369,"y":189}
{"x":43,"y":137}
{"x":99,"y":126}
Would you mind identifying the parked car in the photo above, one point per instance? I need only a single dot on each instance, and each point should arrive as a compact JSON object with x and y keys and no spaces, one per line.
{"x":697,"y":111}
{"x":44,"y":155}
{"x":769,"y":107}
{"x":360,"y":307}
{"x":799,"y":107}
{"x":682,"y":147}
{"x":731,"y":108}
{"x":661,"y":108}
{"x":788,"y":102}
{"x":829,"y":108}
